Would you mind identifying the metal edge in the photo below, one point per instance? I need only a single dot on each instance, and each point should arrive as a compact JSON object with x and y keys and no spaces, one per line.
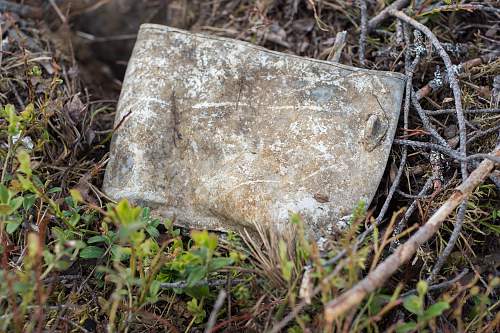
{"x":167,"y":29}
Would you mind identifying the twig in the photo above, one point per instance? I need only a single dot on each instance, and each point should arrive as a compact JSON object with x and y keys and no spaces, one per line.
{"x":63,"y":18}
{"x":363,"y":32}
{"x":106,"y":39}
{"x":440,"y":286}
{"x":409,"y":92}
{"x":245,"y":316}
{"x":431,"y":86}
{"x":213,"y":315}
{"x":61,"y":278}
{"x":369,"y":230}
{"x":426,"y":122}
{"x":451,"y":242}
{"x":480,"y":133}
{"x":404,"y":252}
{"x":453,"y":111}
{"x":184,"y":284}
{"x":338,"y":46}
{"x":81,"y":328}
{"x":402,"y":223}
{"x":448,"y":151}
{"x":436,"y":161}
{"x":452,"y":78}
{"x":7,"y":158}
{"x":409,"y":73}
{"x":164,"y":321}
{"x":456,"y":7}
{"x":302,"y":304}
{"x":384,"y":14}
{"x":413,"y":196}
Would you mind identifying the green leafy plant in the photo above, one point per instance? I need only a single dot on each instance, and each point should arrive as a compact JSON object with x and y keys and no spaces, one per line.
{"x":195,"y":264}
{"x":196,"y":309}
{"x":415,"y":304}
{"x":9,"y":205}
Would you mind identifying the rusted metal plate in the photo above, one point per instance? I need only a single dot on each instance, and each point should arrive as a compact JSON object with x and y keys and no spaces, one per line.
{"x":222,"y":134}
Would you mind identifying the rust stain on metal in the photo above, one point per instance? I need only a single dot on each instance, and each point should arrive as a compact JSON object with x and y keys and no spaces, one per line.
{"x":224,"y":134}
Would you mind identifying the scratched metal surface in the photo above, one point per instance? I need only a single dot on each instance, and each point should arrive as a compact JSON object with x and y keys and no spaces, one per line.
{"x":222,"y":134}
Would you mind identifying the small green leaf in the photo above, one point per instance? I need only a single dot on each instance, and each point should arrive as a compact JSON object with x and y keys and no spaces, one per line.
{"x":78,"y":244}
{"x":127,"y":214}
{"x":4,"y":194}
{"x":55,"y":190}
{"x":119,"y":253}
{"x":91,"y":252}
{"x":192,"y":305}
{"x":12,"y":226}
{"x":22,"y":287}
{"x":435,"y":310}
{"x":154,"y":289}
{"x":29,"y":201}
{"x":204,"y":239}
{"x":196,"y":310}
{"x":28,"y":112}
{"x":5,"y":209}
{"x":16,"y":203}
{"x":26,"y":184}
{"x":35,"y":71}
{"x":413,"y":304}
{"x":24,"y":163}
{"x":422,"y":287}
{"x":96,"y":239}
{"x":13,"y":119}
{"x":195,"y":275}
{"x":295,"y":219}
{"x":59,"y":234}
{"x":196,"y":292}
{"x":48,"y":257}
{"x":76,"y":195}
{"x":74,"y":219}
{"x":285,"y":263}
{"x":406,"y":327}
{"x":218,"y":263}
{"x":152,"y":231}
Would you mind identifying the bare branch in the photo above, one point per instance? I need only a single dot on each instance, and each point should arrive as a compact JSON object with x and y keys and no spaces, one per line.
{"x":426,"y":122}
{"x":402,"y":223}
{"x":440,"y":286}
{"x":210,"y":283}
{"x":404,"y":252}
{"x":451,"y":242}
{"x":409,"y":73}
{"x":363,"y":33}
{"x":338,"y":46}
{"x":452,"y":111}
{"x":217,"y":306}
{"x":384,"y":14}
{"x":452,"y":78}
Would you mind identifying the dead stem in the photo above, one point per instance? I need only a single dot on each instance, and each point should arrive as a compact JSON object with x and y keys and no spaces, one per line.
{"x":404,"y":252}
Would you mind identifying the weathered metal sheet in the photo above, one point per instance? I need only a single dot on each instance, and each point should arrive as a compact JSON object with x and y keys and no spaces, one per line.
{"x":222,"y":134}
